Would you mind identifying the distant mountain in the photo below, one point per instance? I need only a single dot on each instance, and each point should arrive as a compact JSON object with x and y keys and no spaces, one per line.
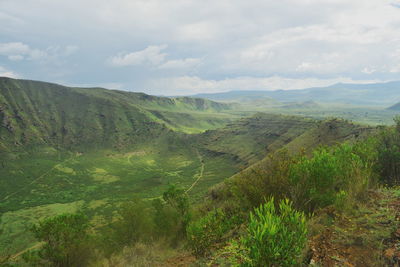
{"x":395,"y":107}
{"x":355,"y":94}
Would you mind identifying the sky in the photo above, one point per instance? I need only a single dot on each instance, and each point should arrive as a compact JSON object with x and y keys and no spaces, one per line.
{"x":183,"y":47}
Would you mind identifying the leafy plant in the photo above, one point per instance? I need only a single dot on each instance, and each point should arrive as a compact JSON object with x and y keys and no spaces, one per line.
{"x":66,"y":241}
{"x":275,"y":237}
{"x":135,"y":224}
{"x":388,"y":149}
{"x":177,"y":198}
{"x":269,"y":178}
{"x":316,"y":181}
{"x":207,"y":231}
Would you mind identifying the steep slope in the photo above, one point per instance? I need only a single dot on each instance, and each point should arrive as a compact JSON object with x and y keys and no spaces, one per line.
{"x":43,"y":113}
{"x":65,"y":149}
{"x":249,"y":139}
{"x":319,"y":133}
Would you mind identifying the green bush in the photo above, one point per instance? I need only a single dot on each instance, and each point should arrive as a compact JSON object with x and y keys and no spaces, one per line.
{"x":317,"y":181}
{"x":168,"y":222}
{"x":66,"y":241}
{"x":205,"y":232}
{"x":271,"y":177}
{"x":135,"y":224}
{"x":176,"y":199}
{"x":388,"y":149}
{"x":275,"y":238}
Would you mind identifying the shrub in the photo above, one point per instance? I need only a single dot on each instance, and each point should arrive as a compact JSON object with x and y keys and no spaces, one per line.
{"x":275,"y":238}
{"x":207,"y":231}
{"x":135,"y":224}
{"x":177,"y":199}
{"x":66,"y":241}
{"x":388,"y":149}
{"x":318,"y":181}
{"x":270,"y":177}
{"x":168,"y":222}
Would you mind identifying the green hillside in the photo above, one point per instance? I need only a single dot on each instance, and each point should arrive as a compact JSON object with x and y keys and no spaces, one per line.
{"x":69,"y":148}
{"x":92,"y":150}
{"x":43,"y":113}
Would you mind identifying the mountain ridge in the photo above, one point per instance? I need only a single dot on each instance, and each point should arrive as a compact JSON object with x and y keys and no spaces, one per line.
{"x":40,"y":112}
{"x":356,"y":94}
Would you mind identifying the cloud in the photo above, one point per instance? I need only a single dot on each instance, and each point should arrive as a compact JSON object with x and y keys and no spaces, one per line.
{"x":185,"y":85}
{"x":151,"y":55}
{"x":7,"y":73}
{"x":17,"y":51}
{"x":186,"y":63}
{"x":311,"y":39}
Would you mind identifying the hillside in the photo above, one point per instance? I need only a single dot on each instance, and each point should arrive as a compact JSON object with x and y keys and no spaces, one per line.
{"x":301,"y":105}
{"x":251,"y":138}
{"x":43,"y":113}
{"x":65,"y":149}
{"x":313,"y":135}
{"x":92,"y":150}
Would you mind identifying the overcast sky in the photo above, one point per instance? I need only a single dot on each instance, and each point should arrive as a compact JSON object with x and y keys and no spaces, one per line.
{"x":172,"y":47}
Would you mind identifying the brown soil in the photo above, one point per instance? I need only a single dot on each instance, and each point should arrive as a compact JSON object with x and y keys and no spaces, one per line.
{"x":360,"y":238}
{"x":180,"y":261}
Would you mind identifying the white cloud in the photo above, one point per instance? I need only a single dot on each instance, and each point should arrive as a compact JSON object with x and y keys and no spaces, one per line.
{"x":322,"y":40}
{"x":17,"y":51}
{"x":199,"y":31}
{"x":186,"y":63}
{"x":7,"y":73}
{"x":151,"y":55}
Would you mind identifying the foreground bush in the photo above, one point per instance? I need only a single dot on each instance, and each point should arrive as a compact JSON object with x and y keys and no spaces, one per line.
{"x":207,"y":231}
{"x":269,"y":178}
{"x":66,"y":242}
{"x":135,"y":224}
{"x":329,"y":175}
{"x":275,"y":237}
{"x":388,"y":149}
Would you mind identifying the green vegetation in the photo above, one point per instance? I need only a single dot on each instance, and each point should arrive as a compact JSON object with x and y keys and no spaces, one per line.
{"x":207,"y":231}
{"x":326,"y":177}
{"x":66,"y":241}
{"x":94,"y":176}
{"x":388,"y":150}
{"x":275,"y":237}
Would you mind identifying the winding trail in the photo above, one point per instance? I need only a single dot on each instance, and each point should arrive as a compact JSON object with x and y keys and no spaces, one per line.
{"x":37,"y":245}
{"x":200,"y":175}
{"x":41,"y":176}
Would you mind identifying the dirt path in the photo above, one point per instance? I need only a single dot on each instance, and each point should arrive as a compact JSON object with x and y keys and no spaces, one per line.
{"x":15,"y":256}
{"x":200,"y":175}
{"x":41,"y":176}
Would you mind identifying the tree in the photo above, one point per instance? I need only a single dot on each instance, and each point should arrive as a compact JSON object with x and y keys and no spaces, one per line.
{"x":66,"y":241}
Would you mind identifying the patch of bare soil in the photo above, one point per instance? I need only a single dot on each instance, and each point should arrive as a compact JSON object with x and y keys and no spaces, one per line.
{"x":369,"y":235}
{"x":180,"y":261}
